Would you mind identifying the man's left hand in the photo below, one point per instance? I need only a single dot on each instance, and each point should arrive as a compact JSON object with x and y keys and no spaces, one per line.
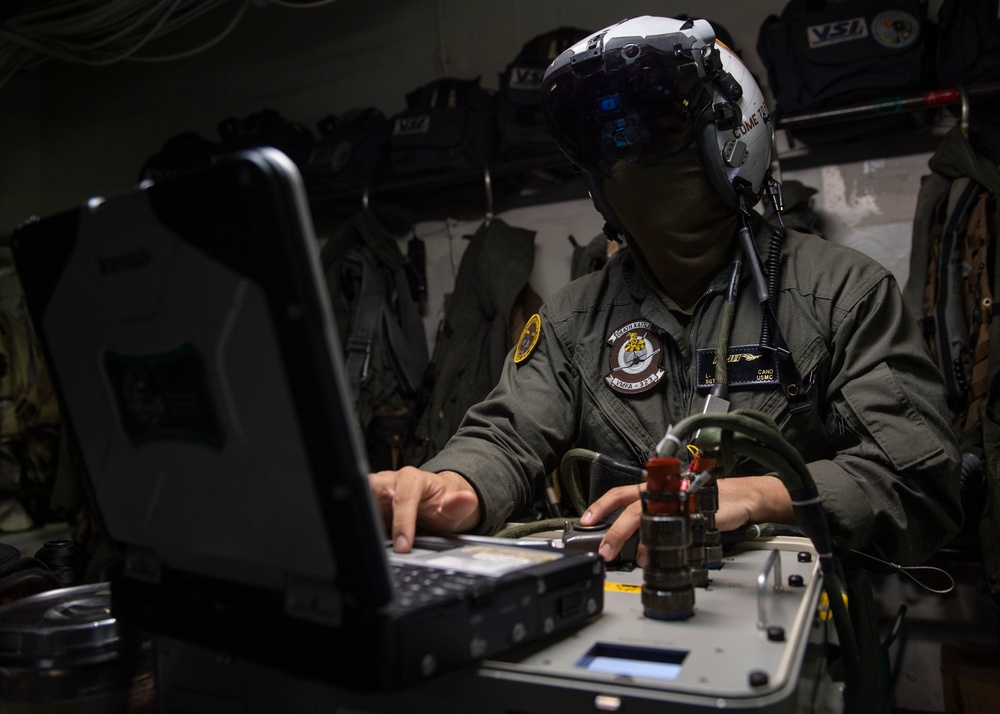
{"x":742,"y":500}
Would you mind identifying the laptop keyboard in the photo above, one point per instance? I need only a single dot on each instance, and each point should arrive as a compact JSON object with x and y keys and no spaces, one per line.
{"x":417,"y":586}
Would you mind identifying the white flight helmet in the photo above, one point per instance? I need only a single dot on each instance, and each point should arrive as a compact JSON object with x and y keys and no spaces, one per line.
{"x":643,"y":89}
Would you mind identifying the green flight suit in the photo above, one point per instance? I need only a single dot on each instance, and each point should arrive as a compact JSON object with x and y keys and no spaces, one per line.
{"x":876,"y":438}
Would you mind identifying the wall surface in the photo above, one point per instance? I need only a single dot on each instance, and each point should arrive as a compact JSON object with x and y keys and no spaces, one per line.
{"x":20,"y":151}
{"x":69,"y":132}
{"x":96,"y":125}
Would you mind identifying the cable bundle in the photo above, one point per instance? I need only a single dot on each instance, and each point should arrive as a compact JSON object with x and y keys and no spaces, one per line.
{"x":102,"y":32}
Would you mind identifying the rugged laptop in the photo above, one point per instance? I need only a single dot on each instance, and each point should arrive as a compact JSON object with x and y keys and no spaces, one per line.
{"x":189,"y":331}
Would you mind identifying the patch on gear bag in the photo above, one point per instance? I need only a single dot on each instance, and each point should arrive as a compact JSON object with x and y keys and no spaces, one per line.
{"x":528,"y":339}
{"x":636,"y":358}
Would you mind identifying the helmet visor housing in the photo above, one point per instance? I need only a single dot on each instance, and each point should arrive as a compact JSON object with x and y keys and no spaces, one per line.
{"x":636,"y":99}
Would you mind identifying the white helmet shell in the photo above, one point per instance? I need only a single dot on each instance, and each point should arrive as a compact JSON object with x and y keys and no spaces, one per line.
{"x":741,"y":160}
{"x":646,"y":87}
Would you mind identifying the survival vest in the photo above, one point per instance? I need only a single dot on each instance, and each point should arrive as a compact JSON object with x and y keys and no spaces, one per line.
{"x":382,"y":334}
{"x":491,"y":300}
{"x":29,"y":411}
{"x":954,"y":266}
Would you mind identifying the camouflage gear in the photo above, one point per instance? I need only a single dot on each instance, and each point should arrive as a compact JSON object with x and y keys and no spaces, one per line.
{"x":952,"y":288}
{"x":29,"y":409}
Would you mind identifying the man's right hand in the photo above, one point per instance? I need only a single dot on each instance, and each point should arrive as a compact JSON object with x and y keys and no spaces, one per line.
{"x":410,"y":498}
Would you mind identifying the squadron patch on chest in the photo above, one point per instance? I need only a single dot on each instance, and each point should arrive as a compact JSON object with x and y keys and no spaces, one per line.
{"x":636,"y":358}
{"x":528,"y":339}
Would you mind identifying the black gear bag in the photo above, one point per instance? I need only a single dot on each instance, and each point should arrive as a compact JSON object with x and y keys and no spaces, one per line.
{"x":352,"y":149}
{"x":968,"y":48}
{"x":820,"y":54}
{"x":187,"y":151}
{"x":448,"y":124}
{"x":520,"y":121}
{"x":267,"y":127}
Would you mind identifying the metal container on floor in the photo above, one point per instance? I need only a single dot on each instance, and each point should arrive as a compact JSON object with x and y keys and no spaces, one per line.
{"x":63,"y":651}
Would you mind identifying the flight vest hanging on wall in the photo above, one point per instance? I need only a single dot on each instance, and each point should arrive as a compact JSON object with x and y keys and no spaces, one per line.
{"x":954,"y":267}
{"x":476,"y":335}
{"x":382,"y":334}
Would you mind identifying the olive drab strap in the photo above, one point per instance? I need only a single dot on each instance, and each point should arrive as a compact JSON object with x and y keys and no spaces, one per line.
{"x":404,"y":330}
{"x":407,"y":337}
{"x":376,"y":309}
{"x":358,"y":353}
{"x":932,"y":251}
{"x":952,"y":328}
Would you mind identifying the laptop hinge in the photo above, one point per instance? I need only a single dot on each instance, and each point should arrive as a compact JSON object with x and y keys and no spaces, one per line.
{"x":313,"y":600}
{"x":142,"y":564}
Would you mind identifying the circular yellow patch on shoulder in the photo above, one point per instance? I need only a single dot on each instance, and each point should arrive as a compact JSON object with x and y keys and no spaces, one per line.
{"x":528,"y":339}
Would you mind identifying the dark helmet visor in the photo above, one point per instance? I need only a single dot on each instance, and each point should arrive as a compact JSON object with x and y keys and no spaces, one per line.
{"x":634,"y":103}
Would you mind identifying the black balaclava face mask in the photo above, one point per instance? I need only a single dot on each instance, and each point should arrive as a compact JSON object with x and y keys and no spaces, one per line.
{"x":672,"y":202}
{"x":674,"y":218}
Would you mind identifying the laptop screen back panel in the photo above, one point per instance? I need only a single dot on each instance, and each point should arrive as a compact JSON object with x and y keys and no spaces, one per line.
{"x":203,"y":459}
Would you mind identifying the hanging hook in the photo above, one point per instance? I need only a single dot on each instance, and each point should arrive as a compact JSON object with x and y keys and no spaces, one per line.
{"x":488,"y":185}
{"x":964,"y":96}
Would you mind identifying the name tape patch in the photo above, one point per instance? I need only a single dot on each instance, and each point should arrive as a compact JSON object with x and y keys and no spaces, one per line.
{"x":747,"y":366}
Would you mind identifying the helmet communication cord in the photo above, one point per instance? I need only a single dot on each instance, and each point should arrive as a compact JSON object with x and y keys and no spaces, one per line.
{"x":771,"y":338}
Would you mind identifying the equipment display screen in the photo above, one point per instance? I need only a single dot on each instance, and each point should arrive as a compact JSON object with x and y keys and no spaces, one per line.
{"x":627,"y":660}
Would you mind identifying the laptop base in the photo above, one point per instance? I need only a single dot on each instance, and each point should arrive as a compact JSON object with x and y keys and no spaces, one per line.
{"x":719,"y":659}
{"x":363,"y":650}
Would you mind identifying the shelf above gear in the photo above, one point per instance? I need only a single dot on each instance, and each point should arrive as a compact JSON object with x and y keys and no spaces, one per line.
{"x":483,"y":189}
{"x":931,"y":99}
{"x":900,"y":125}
